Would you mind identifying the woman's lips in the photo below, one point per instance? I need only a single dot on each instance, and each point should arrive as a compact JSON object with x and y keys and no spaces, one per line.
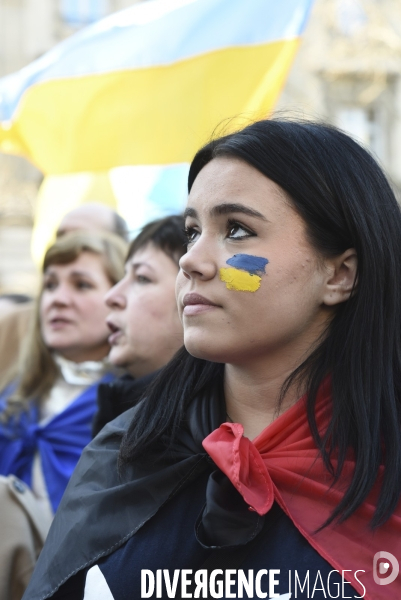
{"x":57,"y":323}
{"x":195,"y":304}
{"x":115,"y":333}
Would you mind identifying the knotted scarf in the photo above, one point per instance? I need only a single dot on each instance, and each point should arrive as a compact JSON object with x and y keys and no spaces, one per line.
{"x":283,"y":464}
{"x":59,"y":442}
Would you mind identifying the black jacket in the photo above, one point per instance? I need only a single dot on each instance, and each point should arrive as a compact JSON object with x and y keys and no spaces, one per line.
{"x":118,"y":396}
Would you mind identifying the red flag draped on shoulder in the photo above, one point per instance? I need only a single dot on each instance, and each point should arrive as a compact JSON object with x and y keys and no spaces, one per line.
{"x":283,"y":464}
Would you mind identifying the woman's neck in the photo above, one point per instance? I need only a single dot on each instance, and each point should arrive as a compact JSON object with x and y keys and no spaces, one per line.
{"x":253,"y":394}
{"x":253,"y":385}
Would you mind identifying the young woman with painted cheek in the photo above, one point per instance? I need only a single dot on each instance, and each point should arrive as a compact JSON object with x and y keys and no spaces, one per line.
{"x":269,"y":446}
{"x":263,"y":333}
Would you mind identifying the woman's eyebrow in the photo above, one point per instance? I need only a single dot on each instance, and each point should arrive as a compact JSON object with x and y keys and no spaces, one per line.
{"x":81,"y":274}
{"x":227,"y":208}
{"x":136,"y":265}
{"x":190,"y":212}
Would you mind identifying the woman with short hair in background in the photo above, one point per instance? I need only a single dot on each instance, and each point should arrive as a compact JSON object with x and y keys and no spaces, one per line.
{"x":143,"y":318}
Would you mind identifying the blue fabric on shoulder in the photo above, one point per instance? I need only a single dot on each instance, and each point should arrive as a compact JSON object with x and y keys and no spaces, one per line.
{"x":59,"y":442}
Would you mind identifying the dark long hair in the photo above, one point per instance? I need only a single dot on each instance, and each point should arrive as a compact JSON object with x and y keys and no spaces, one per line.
{"x":346,"y":202}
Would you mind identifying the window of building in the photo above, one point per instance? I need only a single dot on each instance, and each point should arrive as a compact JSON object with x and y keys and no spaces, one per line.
{"x":366,"y":125}
{"x":351,"y":16}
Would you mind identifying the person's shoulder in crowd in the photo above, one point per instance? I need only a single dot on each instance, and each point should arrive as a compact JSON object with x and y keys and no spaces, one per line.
{"x":23,"y":529}
{"x":13,"y":328}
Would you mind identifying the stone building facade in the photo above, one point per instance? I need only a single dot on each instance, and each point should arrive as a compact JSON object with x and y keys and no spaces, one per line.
{"x":348,"y":72}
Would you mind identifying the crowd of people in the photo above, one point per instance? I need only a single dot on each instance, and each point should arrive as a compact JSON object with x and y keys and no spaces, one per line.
{"x":89,"y":345}
{"x":216,"y":405}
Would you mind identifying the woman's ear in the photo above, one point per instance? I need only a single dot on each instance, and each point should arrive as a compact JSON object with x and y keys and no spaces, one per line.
{"x":342,"y":277}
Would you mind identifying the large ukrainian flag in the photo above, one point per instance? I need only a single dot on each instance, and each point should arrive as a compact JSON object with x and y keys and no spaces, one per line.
{"x":148,"y":85}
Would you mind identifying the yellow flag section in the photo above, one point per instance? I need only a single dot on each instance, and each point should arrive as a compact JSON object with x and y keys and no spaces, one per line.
{"x":166,"y":127}
{"x":116,"y":112}
{"x":149,"y":85}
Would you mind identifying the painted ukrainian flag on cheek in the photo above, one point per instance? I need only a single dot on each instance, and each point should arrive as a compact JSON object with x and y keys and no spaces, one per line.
{"x":148,"y":85}
{"x":244,"y":273}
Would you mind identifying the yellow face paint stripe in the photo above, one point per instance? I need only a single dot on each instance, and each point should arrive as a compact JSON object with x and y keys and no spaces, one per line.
{"x":241,"y":281}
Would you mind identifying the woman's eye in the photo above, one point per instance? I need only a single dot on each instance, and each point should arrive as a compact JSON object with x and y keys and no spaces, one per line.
{"x":142,"y":279}
{"x":49,"y":285}
{"x":84,"y":285}
{"x":238,"y":231}
{"x":191,"y":234}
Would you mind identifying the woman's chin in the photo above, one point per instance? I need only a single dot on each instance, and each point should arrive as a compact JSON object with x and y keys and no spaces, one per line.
{"x":118,"y":358}
{"x":59,"y":348}
{"x":206,"y":350}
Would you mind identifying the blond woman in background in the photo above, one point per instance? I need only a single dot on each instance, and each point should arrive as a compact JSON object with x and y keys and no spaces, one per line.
{"x":49,"y":399}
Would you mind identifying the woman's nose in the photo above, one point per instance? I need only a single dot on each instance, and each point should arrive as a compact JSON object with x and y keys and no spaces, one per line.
{"x":199,"y":261}
{"x":115,"y":297}
{"x":61,"y":296}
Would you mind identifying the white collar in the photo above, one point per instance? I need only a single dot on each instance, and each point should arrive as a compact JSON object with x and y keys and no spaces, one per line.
{"x":83,"y":373}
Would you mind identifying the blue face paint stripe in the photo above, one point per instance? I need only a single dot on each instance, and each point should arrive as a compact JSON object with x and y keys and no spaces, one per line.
{"x":246,"y":262}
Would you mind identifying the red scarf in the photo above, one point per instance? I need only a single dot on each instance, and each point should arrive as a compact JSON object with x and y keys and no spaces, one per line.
{"x":282,"y":464}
